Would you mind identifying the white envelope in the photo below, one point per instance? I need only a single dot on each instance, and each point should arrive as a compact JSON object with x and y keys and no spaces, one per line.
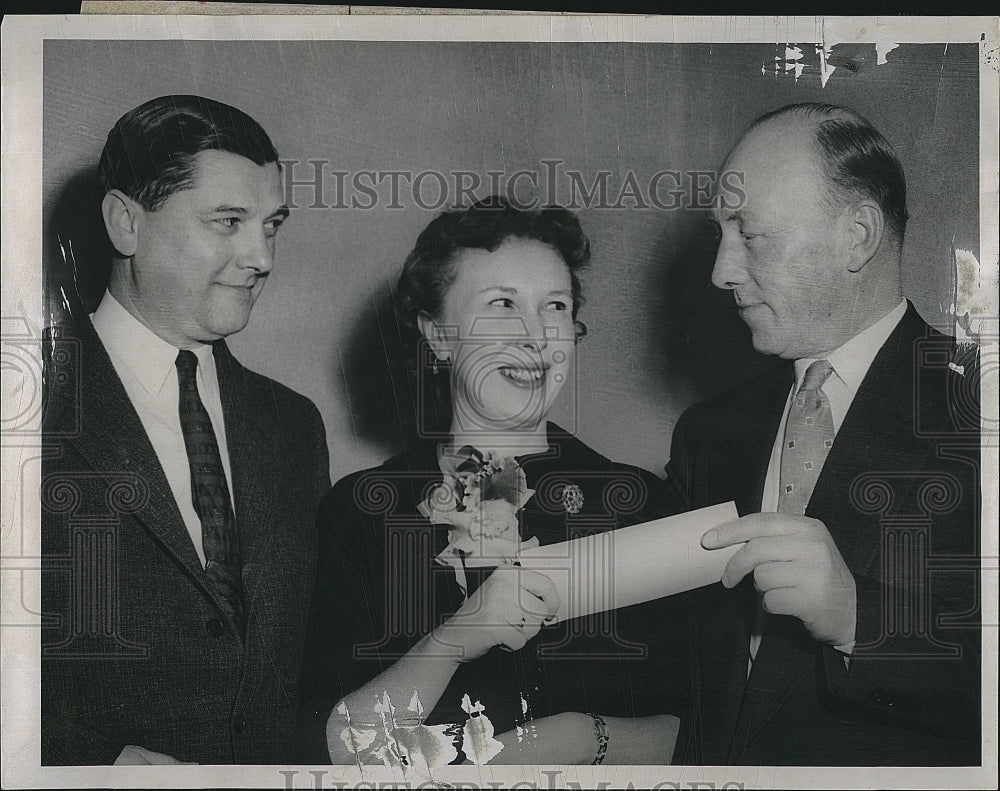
{"x":635,"y":564}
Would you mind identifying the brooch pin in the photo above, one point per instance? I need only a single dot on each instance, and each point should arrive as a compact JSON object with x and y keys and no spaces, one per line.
{"x":572,"y":498}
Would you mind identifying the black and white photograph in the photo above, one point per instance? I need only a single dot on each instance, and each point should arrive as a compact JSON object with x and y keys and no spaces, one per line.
{"x":491,"y":401}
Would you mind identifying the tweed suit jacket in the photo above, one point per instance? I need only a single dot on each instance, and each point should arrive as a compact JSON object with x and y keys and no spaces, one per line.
{"x":136,"y":648}
{"x":900,"y":495}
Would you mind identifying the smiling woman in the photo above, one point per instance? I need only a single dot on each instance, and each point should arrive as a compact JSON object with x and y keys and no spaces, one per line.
{"x":428,"y":645}
{"x":506,"y":329}
{"x":492,"y":295}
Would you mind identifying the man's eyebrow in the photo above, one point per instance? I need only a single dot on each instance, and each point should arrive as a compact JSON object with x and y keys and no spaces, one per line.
{"x":282,"y":211}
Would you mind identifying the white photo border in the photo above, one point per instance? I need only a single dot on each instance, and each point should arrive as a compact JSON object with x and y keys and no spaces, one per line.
{"x":22,"y":312}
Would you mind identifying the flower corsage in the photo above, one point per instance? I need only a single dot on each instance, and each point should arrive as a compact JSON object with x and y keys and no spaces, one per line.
{"x":479,"y":502}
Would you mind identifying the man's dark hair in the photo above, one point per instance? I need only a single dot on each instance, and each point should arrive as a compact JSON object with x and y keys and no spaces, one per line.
{"x":858,"y":161}
{"x":150,"y":152}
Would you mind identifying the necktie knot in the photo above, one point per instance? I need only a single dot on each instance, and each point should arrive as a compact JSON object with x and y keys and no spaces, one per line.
{"x":187,"y":365}
{"x":816,"y":375}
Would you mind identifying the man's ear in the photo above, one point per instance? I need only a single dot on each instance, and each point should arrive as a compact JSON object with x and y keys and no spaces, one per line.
{"x":121,"y":218}
{"x":865,"y":229}
{"x":435,"y":336}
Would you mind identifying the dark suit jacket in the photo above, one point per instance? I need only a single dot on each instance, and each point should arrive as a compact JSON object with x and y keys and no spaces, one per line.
{"x":900,"y":494}
{"x":136,"y":648}
{"x":376,"y":601}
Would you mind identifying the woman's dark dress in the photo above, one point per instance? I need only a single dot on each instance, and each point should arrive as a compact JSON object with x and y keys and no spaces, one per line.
{"x":379,"y":591}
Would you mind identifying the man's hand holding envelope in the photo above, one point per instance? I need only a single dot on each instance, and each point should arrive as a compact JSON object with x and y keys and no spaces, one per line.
{"x":796,"y":568}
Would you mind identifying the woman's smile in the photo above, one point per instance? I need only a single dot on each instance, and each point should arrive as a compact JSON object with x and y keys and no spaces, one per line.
{"x":524,"y":376}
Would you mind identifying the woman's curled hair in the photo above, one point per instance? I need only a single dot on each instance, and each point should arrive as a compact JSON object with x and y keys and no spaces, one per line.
{"x":429,"y":269}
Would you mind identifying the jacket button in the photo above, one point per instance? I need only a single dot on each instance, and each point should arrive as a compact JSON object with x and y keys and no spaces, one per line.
{"x":239,"y":723}
{"x":215,"y":627}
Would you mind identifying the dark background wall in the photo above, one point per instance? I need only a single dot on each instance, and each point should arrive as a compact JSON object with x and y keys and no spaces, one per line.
{"x":660,"y":336}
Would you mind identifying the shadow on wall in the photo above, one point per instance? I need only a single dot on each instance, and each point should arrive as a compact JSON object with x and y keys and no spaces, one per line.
{"x":76,"y":250}
{"x":386,"y":409}
{"x":704,"y":345}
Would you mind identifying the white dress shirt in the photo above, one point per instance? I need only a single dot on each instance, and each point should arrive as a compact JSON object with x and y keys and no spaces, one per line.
{"x":146,"y":365}
{"x":850,"y":366}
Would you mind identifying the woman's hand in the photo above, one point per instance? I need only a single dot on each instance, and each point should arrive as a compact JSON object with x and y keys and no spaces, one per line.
{"x":507,"y":609}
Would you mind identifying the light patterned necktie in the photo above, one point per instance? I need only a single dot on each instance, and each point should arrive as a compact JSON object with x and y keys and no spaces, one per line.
{"x":807,"y":443}
{"x":210,"y":491}
{"x":808,"y":439}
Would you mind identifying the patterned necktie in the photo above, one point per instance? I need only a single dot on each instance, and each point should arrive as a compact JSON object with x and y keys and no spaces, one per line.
{"x":808,"y":439}
{"x":209,"y":491}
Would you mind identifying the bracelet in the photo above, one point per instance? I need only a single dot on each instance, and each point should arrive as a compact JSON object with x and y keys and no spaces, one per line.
{"x":601,"y":734}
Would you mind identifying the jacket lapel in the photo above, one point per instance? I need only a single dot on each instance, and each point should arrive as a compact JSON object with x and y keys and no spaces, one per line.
{"x":747,"y":446}
{"x":785,"y":659}
{"x":722,"y":638}
{"x":877,"y":436}
{"x":746,"y":439}
{"x":256,"y":466}
{"x":112,"y":440}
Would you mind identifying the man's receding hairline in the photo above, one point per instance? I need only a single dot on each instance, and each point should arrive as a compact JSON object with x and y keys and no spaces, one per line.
{"x":790,"y":121}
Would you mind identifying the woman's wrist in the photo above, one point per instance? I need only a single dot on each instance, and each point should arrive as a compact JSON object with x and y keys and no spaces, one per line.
{"x":443,"y":644}
{"x":641,"y":740}
{"x":582,"y":727}
{"x":601,"y":736}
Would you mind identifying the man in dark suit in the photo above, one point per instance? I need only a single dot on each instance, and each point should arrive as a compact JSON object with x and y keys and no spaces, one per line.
{"x":180,"y":489}
{"x":846,"y":627}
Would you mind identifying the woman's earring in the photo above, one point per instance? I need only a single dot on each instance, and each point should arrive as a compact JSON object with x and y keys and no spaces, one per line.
{"x":434,"y":367}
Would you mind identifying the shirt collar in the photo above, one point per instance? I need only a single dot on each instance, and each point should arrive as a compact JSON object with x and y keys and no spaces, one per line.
{"x":130,"y":343}
{"x":852,"y":360}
